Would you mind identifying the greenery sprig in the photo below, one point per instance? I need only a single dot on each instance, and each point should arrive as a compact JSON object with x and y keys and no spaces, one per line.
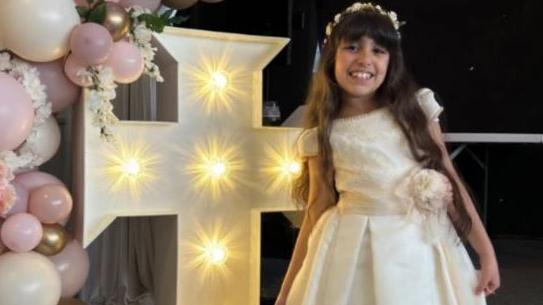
{"x":96,"y":12}
{"x":156,"y":23}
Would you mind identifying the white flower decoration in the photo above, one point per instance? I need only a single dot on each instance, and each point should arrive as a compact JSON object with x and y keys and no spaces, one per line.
{"x":427,"y":193}
{"x":25,"y":156}
{"x":141,"y":37}
{"x":430,"y":190}
{"x":358,"y":6}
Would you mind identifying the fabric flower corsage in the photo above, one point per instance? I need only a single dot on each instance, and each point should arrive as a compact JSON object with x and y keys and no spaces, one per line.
{"x":7,"y":191}
{"x":427,"y":193}
{"x":430,"y":190}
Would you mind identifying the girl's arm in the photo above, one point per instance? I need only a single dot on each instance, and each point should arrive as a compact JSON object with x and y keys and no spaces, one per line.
{"x":478,"y":238}
{"x":318,"y":202}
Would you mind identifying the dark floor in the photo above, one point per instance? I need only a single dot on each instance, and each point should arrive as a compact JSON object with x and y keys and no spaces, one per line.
{"x":521,"y":268}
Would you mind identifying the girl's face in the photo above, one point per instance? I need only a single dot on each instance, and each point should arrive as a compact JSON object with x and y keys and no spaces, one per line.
{"x":360,"y":68}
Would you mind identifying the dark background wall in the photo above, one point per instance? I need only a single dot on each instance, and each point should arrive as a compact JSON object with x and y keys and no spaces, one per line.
{"x":483,"y":58}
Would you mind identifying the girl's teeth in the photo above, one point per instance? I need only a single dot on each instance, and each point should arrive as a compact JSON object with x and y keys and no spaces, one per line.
{"x":362,"y":75}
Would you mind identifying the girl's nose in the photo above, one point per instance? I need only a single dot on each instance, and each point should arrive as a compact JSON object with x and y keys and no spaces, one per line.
{"x":364,"y":56}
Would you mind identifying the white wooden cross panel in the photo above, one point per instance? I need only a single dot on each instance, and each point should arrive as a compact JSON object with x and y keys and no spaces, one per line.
{"x":203,"y":123}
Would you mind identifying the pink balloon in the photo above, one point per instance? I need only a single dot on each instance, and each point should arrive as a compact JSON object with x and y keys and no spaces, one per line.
{"x":91,"y":43}
{"x":60,"y":90}
{"x":34,"y":179}
{"x":16,"y":113}
{"x":82,"y":3}
{"x":149,"y":4}
{"x":50,"y":203}
{"x":72,"y":264}
{"x":21,"y":232}
{"x":126,"y":61}
{"x":72,"y":67}
{"x":21,"y":203}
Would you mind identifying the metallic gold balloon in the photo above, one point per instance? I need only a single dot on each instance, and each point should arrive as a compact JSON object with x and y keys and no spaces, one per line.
{"x":53,"y":240}
{"x":71,"y":301}
{"x":117,"y":21}
{"x":179,"y":4}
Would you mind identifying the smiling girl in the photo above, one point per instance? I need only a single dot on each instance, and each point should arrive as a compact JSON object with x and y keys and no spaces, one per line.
{"x":385,"y":211}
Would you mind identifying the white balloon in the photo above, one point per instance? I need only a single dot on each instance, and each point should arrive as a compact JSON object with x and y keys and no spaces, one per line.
{"x":28,"y":278}
{"x":38,"y":30}
{"x":47,"y":140}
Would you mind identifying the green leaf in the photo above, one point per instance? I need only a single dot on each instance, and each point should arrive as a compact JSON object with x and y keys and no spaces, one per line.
{"x":98,"y":14}
{"x":82,"y":11}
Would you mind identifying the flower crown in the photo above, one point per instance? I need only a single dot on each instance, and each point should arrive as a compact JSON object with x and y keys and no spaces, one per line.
{"x":360,"y":7}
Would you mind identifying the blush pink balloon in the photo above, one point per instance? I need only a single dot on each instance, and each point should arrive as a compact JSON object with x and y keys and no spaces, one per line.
{"x":21,"y":202}
{"x":82,"y":3}
{"x":91,"y":43}
{"x":16,"y":113}
{"x":126,"y":61}
{"x":72,"y":264}
{"x":149,"y":4}
{"x":21,"y":232}
{"x":72,"y":66}
{"x":50,"y":203}
{"x":35,"y":179}
{"x":59,"y":89}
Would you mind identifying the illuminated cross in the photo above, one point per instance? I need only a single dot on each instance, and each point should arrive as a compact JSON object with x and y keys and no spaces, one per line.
{"x":210,"y":164}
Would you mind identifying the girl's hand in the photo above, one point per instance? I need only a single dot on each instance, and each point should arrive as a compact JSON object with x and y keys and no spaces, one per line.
{"x":489,"y":277}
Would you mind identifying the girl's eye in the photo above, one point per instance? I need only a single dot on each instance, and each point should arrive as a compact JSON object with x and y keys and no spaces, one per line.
{"x":379,"y":51}
{"x":351,"y":47}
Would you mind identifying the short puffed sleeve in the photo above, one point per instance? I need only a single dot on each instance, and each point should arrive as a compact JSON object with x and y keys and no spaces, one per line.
{"x":429,"y":105}
{"x":307,"y":143}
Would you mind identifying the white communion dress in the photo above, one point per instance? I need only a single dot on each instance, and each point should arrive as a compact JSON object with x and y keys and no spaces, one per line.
{"x":375,"y":247}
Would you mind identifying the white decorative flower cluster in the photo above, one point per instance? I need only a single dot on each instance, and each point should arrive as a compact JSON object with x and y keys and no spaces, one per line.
{"x":141,"y":36}
{"x":100,"y":94}
{"x":25,"y":157}
{"x":430,"y":190}
{"x":360,"y":7}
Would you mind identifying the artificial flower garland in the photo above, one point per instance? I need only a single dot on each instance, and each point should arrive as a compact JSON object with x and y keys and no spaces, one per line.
{"x":101,"y":89}
{"x":23,"y":157}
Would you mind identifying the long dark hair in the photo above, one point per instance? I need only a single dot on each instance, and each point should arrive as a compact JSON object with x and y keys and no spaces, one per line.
{"x":397,"y":93}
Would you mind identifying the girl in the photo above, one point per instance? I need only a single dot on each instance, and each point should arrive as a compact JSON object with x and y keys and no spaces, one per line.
{"x":385,"y":206}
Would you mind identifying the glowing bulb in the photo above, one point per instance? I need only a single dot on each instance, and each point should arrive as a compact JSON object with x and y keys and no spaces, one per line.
{"x":217,"y":169}
{"x":131,"y":167}
{"x":293,"y":167}
{"x":216,"y":254}
{"x":219,"y":80}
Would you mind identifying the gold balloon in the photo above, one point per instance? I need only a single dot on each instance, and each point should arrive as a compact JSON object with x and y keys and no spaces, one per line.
{"x":53,"y":240}
{"x":117,"y":21}
{"x":179,"y":4}
{"x":71,"y":301}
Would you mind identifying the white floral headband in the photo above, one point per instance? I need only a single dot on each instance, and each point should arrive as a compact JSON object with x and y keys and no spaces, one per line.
{"x":360,"y":7}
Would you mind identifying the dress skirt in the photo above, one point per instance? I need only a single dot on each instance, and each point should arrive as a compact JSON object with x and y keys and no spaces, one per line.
{"x":356,"y":259}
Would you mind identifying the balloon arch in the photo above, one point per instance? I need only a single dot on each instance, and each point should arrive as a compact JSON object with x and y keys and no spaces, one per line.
{"x":49,"y":51}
